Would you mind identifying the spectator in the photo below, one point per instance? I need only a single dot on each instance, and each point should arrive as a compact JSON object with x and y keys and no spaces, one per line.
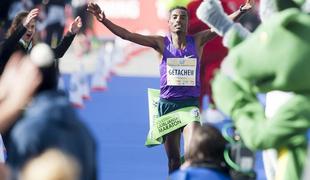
{"x":50,"y":117}
{"x":20,"y":37}
{"x":205,"y":158}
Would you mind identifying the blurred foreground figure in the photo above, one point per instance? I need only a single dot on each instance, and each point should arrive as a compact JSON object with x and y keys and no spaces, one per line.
{"x":48,"y":121}
{"x":51,"y":165}
{"x":256,"y":65}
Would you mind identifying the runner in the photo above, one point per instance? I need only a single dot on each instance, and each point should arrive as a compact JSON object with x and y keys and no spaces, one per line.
{"x":179,"y":71}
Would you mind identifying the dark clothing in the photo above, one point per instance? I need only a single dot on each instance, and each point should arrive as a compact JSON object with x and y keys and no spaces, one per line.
{"x":166,"y":106}
{"x":87,"y":19}
{"x":4,"y":9}
{"x":50,"y":74}
{"x":11,"y":45}
{"x":54,"y":30}
{"x":36,"y":2}
{"x":58,"y":2}
{"x":51,"y":122}
{"x":55,"y":21}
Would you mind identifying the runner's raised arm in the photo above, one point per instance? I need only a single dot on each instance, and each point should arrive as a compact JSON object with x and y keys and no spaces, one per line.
{"x":155,"y":42}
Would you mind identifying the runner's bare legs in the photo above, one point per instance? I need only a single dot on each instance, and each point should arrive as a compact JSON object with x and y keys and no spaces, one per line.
{"x":172,"y":147}
{"x":188,"y":134}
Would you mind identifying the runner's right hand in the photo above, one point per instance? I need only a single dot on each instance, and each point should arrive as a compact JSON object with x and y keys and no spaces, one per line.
{"x":94,"y":9}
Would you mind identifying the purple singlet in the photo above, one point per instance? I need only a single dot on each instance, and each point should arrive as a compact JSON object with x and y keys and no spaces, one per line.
{"x":179,"y":70}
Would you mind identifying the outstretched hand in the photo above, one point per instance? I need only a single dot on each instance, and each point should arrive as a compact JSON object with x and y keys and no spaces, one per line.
{"x":32,"y":15}
{"x":94,"y":9}
{"x":76,"y":25}
{"x":249,"y":4}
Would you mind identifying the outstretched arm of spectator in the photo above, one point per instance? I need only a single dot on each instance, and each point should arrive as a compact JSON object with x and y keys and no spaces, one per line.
{"x":6,"y":47}
{"x":65,"y":43}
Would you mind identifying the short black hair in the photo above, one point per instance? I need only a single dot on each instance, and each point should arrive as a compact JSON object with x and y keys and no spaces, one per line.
{"x":178,"y":7}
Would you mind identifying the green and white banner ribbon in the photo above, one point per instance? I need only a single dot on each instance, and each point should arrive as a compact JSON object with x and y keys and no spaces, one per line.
{"x":160,"y":126}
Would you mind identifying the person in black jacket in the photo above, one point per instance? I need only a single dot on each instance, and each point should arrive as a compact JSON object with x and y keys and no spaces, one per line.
{"x":19,"y":38}
{"x":49,"y":121}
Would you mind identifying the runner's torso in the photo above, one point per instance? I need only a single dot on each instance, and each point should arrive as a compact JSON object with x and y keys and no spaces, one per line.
{"x":179,"y":71}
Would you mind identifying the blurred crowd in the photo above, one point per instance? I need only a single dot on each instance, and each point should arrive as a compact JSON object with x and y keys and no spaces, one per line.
{"x":37,"y":118}
{"x":53,"y":17}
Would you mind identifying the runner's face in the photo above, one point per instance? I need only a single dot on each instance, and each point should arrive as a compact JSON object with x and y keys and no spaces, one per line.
{"x":178,"y":21}
{"x":31,"y":29}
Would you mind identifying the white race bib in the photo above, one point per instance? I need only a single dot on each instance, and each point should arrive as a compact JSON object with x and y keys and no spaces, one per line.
{"x":181,"y":71}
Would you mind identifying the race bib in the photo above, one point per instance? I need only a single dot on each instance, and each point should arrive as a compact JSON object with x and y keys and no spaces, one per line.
{"x":181,"y":71}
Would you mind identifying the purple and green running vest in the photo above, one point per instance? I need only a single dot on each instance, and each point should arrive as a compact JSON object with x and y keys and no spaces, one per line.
{"x":179,"y":92}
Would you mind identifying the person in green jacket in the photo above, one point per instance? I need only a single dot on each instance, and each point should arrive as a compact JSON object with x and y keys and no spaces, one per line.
{"x":274,"y":57}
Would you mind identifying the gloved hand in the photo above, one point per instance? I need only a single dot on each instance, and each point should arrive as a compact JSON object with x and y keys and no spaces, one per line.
{"x":211,"y":12}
